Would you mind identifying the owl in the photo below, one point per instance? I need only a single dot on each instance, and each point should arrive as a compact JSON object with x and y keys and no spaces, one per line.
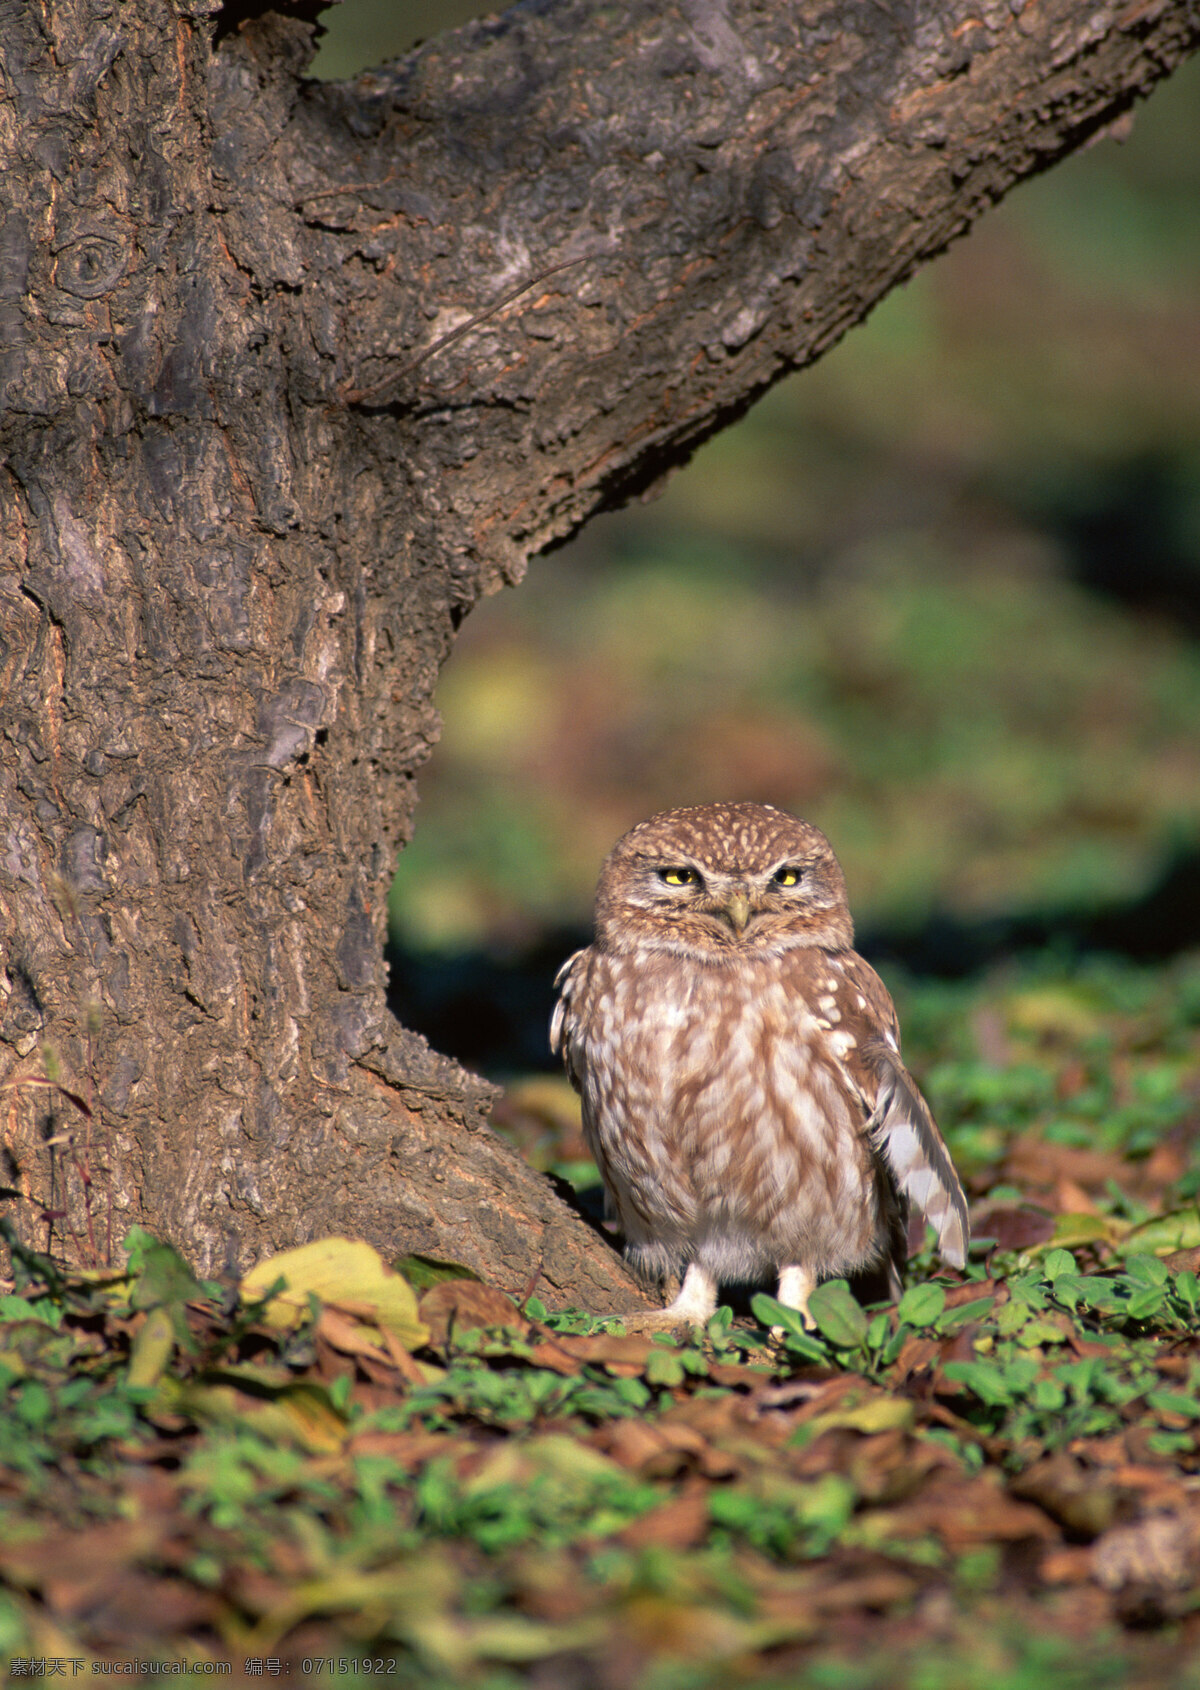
{"x":739,"y":1065}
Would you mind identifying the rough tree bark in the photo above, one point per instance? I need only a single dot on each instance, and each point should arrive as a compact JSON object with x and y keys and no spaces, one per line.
{"x":292,"y":374}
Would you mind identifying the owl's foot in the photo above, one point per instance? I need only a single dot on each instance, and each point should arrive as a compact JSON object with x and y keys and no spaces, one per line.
{"x":796,"y":1286}
{"x":694,"y":1306}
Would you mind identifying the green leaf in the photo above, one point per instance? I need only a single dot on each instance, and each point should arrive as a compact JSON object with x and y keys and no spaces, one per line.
{"x":769,"y":1312}
{"x":807,"y":1345}
{"x":838,"y":1314}
{"x":878,"y":1332}
{"x":1144,"y":1305}
{"x":1099,"y":1291}
{"x":1047,"y":1395}
{"x":801,"y":1342}
{"x":983,"y":1378}
{"x":1179,"y":1230}
{"x":423,"y":1271}
{"x":1070,"y":1289}
{"x":965,"y":1314}
{"x":735,"y":1508}
{"x":1057,"y":1262}
{"x":161,"y":1276}
{"x":921,"y":1305}
{"x":664,"y":1367}
{"x":1080,"y":1229}
{"x":1042,"y":1331}
{"x":34,"y":1405}
{"x":1011,"y":1317}
{"x":1174,"y":1402}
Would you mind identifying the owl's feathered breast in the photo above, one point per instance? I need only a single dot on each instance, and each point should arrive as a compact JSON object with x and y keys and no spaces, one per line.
{"x":713,"y":1091}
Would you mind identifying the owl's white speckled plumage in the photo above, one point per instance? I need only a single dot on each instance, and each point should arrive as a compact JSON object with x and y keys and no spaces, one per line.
{"x":739,"y":1063}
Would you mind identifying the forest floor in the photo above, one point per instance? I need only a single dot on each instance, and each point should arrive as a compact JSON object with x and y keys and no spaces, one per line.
{"x":360,"y":1474}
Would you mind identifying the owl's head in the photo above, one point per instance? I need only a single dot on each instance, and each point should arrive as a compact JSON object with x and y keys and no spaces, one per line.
{"x":722,"y":880}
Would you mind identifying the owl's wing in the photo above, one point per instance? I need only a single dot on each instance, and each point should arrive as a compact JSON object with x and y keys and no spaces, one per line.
{"x":564,"y":1023}
{"x":900,"y":1125}
{"x":566,"y":1036}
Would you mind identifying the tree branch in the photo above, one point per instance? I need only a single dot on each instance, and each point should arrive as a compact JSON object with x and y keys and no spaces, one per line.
{"x":747,"y":181}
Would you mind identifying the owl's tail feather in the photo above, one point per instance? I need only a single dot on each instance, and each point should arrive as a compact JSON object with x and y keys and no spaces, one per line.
{"x":903,"y":1132}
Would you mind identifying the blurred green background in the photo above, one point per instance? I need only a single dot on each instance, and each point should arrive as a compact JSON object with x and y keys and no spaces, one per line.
{"x":939,"y":594}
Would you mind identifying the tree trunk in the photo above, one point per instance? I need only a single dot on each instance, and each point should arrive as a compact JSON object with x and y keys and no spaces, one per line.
{"x":292,"y":375}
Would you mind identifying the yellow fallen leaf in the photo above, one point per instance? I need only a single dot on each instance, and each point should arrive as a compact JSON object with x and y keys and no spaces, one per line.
{"x":344,"y":1273}
{"x":300,"y":1414}
{"x":152,"y":1349}
{"x":877,"y":1414}
{"x":571,"y":1466}
{"x":1071,"y":1231}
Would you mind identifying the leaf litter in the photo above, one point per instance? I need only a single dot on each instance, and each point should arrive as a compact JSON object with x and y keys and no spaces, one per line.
{"x":395,"y":1468}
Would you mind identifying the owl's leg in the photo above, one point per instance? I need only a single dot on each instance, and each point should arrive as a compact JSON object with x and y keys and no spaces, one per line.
{"x":796,"y":1285}
{"x":697,"y":1299}
{"x":696,"y":1302}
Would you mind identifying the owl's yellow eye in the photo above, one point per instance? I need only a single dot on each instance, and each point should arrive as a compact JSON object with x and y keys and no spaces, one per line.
{"x":679,"y":876}
{"x":788,"y":876}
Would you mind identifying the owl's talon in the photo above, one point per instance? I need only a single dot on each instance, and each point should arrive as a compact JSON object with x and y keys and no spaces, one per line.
{"x":656,"y":1320}
{"x":694,"y":1306}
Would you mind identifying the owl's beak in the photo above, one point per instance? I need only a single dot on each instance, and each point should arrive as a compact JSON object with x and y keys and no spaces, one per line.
{"x":737,"y":912}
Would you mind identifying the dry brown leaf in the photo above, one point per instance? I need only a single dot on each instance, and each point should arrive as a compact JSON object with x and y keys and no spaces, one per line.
{"x":346,"y":1334}
{"x":973,"y":1291}
{"x":624,"y":1357}
{"x":829,"y":1396}
{"x":409,"y":1450}
{"x":463,"y":1305}
{"x":892,"y":1466}
{"x":155,"y":1607}
{"x":917,"y":1355}
{"x":965,"y":1512}
{"x":715,"y":1418}
{"x":80,"y":1566}
{"x":1071,"y":1199}
{"x":1078,"y":1498}
{"x":1174,"y":1367}
{"x":1164,"y":1165}
{"x":1014,"y":1226}
{"x":679,"y":1524}
{"x":1036,"y":1161}
{"x":408,"y":1369}
{"x":1067,"y":1565}
{"x":640,"y":1445}
{"x":662,"y":1448}
{"x":548,"y":1586}
{"x":736,"y":1374}
{"x":554,"y":1356}
{"x":1159,"y":1488}
{"x":875,"y":1591}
